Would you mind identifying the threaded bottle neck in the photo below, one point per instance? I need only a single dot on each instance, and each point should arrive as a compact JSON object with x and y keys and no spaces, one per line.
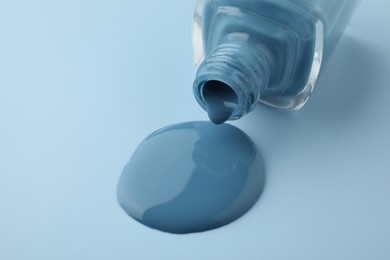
{"x":231,"y":79}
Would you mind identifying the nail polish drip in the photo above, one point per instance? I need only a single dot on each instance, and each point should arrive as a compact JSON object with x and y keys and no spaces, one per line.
{"x":221,"y":101}
{"x":191,"y":177}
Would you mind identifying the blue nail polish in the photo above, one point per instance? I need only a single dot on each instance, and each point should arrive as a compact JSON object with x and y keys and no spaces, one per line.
{"x":191,"y":177}
{"x":263,"y":50}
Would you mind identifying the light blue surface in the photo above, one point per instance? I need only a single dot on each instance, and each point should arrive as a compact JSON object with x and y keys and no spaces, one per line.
{"x":83,"y":82}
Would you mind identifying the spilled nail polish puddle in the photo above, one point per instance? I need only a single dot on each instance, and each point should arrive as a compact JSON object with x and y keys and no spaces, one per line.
{"x":191,"y":177}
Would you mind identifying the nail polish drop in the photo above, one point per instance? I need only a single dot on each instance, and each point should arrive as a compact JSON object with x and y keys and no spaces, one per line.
{"x":221,"y":101}
{"x":191,"y":177}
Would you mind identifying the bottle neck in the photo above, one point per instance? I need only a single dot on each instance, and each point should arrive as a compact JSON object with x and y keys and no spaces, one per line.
{"x":230,"y":80}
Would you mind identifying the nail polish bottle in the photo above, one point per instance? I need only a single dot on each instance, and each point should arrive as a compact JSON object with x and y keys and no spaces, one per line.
{"x":269,"y":51}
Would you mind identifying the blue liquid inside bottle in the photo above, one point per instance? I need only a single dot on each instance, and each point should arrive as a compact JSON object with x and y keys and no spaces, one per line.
{"x":263,"y":50}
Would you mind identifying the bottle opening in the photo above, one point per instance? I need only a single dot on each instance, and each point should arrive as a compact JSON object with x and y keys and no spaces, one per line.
{"x":221,"y":100}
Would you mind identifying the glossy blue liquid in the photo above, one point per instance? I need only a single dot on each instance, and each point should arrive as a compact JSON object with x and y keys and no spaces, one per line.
{"x":221,"y":101}
{"x":191,"y":177}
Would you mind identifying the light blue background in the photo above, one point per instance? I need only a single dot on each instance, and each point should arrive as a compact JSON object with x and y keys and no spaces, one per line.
{"x":82,"y":83}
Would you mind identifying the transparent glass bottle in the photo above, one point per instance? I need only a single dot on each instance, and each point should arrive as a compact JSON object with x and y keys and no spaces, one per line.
{"x":270,"y":51}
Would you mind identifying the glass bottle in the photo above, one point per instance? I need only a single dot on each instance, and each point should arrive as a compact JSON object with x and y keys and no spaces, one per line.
{"x":270,"y":51}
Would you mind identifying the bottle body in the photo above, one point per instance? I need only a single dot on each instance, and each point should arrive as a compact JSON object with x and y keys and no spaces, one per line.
{"x":264,"y":50}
